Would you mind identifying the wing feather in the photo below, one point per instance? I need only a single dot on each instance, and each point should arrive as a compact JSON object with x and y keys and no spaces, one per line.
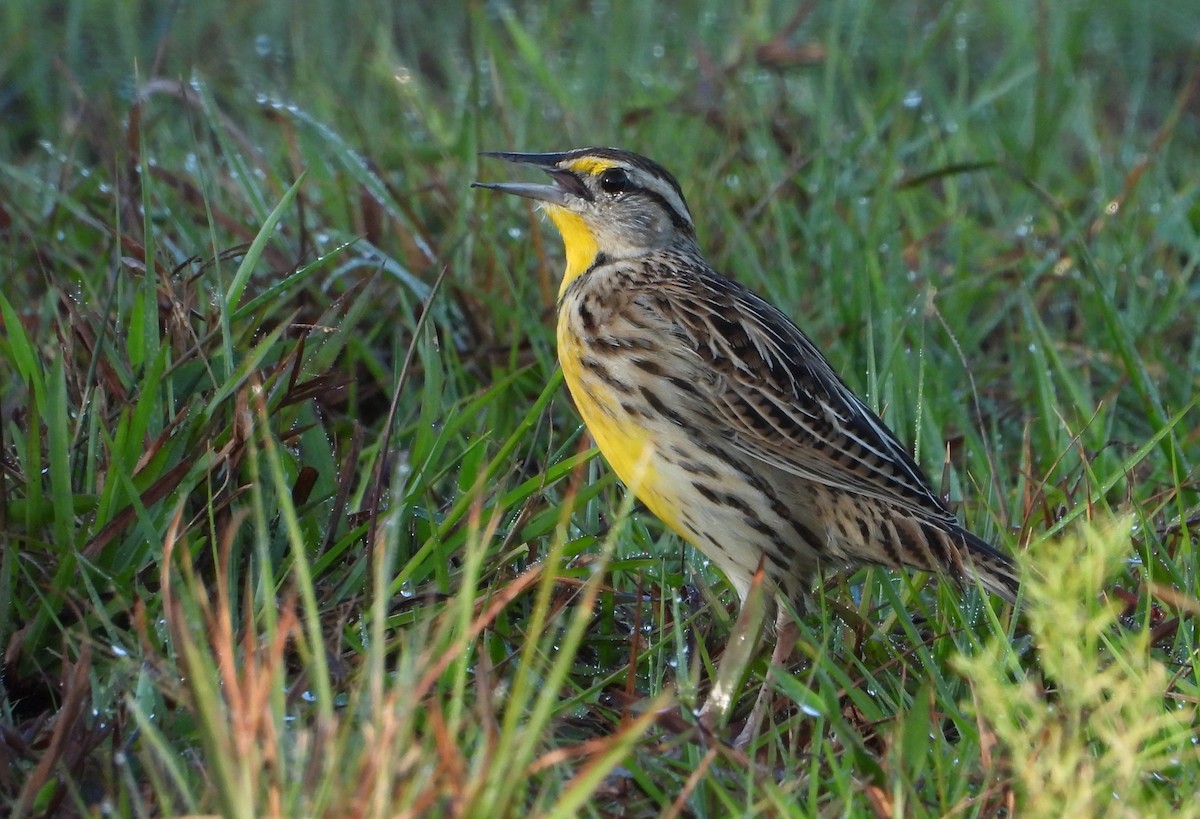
{"x":784,"y":404}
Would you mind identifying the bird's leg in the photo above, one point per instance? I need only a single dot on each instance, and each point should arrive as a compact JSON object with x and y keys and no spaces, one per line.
{"x":786,"y":632}
{"x":739,"y":653}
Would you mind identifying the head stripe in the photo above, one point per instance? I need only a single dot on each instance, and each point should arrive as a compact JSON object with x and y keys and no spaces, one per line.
{"x":680,"y":219}
{"x":591,"y":165}
{"x":597,"y":157}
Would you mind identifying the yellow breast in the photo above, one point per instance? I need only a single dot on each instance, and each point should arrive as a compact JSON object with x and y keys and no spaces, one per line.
{"x":624,"y":441}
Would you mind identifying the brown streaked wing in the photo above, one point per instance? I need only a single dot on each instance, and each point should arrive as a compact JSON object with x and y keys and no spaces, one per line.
{"x":783,"y":402}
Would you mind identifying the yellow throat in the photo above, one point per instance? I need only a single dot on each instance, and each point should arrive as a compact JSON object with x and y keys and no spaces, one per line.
{"x":578,"y":241}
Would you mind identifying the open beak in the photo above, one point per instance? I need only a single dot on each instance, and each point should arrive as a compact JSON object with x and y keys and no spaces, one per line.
{"x":567,"y":185}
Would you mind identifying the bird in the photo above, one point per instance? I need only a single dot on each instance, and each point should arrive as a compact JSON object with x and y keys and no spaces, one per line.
{"x":715,"y":409}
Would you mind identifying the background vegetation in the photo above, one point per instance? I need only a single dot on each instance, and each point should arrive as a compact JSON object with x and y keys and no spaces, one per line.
{"x":296,"y":519}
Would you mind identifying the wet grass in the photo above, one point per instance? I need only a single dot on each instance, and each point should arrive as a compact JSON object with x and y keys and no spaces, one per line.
{"x":298,"y":520}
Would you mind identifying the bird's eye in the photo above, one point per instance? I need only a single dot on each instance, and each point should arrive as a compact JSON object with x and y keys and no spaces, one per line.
{"x":614,"y":181}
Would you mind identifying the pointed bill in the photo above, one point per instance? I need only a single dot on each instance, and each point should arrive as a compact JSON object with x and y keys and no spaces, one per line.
{"x":566,"y":184}
{"x":542,"y":193}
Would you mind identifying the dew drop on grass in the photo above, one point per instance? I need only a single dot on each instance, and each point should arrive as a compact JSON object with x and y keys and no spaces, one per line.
{"x":262,"y":45}
{"x":912,"y":99}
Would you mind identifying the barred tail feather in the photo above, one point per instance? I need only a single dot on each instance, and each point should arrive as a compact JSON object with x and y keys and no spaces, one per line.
{"x":995,"y":572}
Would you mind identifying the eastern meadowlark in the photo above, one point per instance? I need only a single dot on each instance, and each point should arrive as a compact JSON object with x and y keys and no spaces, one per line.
{"x":715,"y":409}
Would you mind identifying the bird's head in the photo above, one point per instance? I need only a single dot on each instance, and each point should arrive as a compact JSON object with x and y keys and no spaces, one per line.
{"x":605,"y":202}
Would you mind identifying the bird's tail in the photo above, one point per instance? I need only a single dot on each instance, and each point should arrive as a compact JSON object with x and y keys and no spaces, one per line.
{"x":981,"y":560}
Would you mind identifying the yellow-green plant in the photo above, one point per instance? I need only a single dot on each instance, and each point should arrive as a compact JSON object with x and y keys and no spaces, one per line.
{"x":1088,"y":729}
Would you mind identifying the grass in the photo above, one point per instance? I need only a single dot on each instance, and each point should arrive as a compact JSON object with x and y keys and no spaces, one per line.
{"x":297,"y":519}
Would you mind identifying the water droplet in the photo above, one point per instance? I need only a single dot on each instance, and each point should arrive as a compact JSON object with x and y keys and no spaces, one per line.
{"x":912,"y":99}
